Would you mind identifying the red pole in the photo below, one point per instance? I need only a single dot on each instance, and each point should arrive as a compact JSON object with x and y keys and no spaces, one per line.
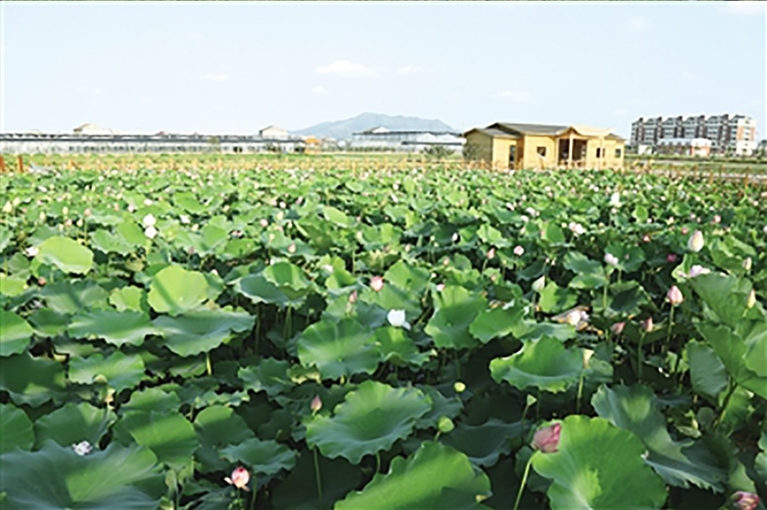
{"x":21,"y":163}
{"x":2,"y":165}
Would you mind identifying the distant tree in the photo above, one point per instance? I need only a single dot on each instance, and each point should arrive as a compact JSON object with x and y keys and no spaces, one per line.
{"x":215,"y":144}
{"x":438,"y":152}
{"x":470,"y":151}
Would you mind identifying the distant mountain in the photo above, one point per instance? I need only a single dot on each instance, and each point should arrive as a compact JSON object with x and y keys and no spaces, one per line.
{"x":343,"y":129}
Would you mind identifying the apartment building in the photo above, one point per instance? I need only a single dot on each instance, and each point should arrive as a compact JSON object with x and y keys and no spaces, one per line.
{"x":727,"y":133}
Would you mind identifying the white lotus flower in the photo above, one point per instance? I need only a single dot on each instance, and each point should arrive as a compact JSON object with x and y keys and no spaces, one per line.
{"x":695,"y":243}
{"x":615,"y":199}
{"x":148,"y":202}
{"x":576,"y":228}
{"x":82,"y":448}
{"x":539,"y":284}
{"x":150,"y":232}
{"x":32,"y":251}
{"x":697,"y":270}
{"x":397,"y":319}
{"x":184,"y":219}
{"x":149,"y":221}
{"x":611,"y":259}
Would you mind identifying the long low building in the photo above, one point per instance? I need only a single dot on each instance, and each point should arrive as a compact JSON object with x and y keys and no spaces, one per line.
{"x":381,"y":138}
{"x":78,"y":143}
{"x":514,"y":146}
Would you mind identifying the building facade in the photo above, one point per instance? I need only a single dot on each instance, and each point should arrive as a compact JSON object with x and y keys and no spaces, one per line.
{"x":380,"y":138}
{"x":84,"y":141}
{"x":727,"y":133}
{"x":700,"y":147}
{"x":515,"y":146}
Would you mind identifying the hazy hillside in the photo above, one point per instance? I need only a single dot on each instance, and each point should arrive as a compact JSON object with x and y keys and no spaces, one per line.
{"x":343,"y":129}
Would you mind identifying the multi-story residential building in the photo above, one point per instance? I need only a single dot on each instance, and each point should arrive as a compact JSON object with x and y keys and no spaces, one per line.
{"x":727,"y":133}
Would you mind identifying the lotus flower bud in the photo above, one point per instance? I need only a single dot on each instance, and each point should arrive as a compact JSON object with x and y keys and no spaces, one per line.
{"x":671,"y":258}
{"x":539,"y":284}
{"x":240,"y":478}
{"x":698,"y":270}
{"x":397,"y":319}
{"x":82,"y":448}
{"x":149,"y":220}
{"x":490,"y":254}
{"x":377,"y":283}
{"x":316,"y":404}
{"x":150,"y":232}
{"x":615,"y":199}
{"x":459,"y":387}
{"x":745,"y":500}
{"x":617,"y":328}
{"x":611,"y":259}
{"x":647,"y":325}
{"x":546,"y":439}
{"x":674,"y":296}
{"x":747,"y":264}
{"x":519,"y":251}
{"x":695,"y":243}
{"x":751,"y":300}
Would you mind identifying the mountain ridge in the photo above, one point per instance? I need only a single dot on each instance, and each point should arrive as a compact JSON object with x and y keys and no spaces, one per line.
{"x":343,"y":129}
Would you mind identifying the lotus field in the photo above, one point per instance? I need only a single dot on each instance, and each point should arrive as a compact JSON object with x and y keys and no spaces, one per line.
{"x":288,"y":338}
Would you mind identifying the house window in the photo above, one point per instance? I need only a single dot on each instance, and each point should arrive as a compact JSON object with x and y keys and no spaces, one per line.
{"x":541,"y":151}
{"x":618,"y":152}
{"x":599,"y":152}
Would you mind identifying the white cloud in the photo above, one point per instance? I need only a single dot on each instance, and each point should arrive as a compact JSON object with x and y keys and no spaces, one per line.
{"x":319,"y":89}
{"x":215,"y":77}
{"x":620,"y":112}
{"x":96,"y":92}
{"x":513,"y":95}
{"x":195,"y":35}
{"x":752,"y":8}
{"x":347,"y":69}
{"x":409,"y":69}
{"x":639,"y":24}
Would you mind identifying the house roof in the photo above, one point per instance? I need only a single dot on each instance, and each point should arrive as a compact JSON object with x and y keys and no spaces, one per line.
{"x":495,"y":133}
{"x":529,"y":129}
{"x":506,"y":129}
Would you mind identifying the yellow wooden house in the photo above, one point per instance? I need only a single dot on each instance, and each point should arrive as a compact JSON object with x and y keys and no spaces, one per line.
{"x":507,"y":145}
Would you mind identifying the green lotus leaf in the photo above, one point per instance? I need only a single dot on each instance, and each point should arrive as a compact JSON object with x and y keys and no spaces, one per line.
{"x":484,"y":444}
{"x":175,"y":290}
{"x":589,"y":274}
{"x":262,"y":457}
{"x":398,"y":348}
{"x":336,"y":216}
{"x":11,"y":285}
{"x":202,"y":330}
{"x":455,"y":308}
{"x":434,"y":477}
{"x":32,"y":381}
{"x":441,"y":407}
{"x":15,"y":333}
{"x":57,"y":477}
{"x":407,"y":277}
{"x":218,"y":426}
{"x":630,"y":258}
{"x":74,"y":423}
{"x":169,"y":435}
{"x":555,"y":299}
{"x":107,"y":242}
{"x":725,"y":295}
{"x":48,"y":323}
{"x":707,"y":372}
{"x":284,"y":274}
{"x":117,"y":328}
{"x":260,"y":290}
{"x":68,"y":297}
{"x":495,"y":323}
{"x":679,"y":463}
{"x":370,"y":419}
{"x":119,"y":370}
{"x":66,"y":254}
{"x":129,"y":298}
{"x":545,"y":364}
{"x":599,"y":466}
{"x":152,"y":399}
{"x":269,"y":375}
{"x":15,"y":429}
{"x":129,"y":232}
{"x":338,"y":349}
{"x":6,"y":235}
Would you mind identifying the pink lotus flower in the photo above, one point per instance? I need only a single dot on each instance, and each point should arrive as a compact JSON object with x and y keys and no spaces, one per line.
{"x":745,"y":500}
{"x":717,"y":219}
{"x":671,"y":258}
{"x":674,"y":296}
{"x":546,"y":439}
{"x":646,"y":238}
{"x":490,"y":254}
{"x":240,"y":478}
{"x":353,"y":297}
{"x":519,"y":251}
{"x":685,"y":230}
{"x":617,"y":328}
{"x":697,"y":270}
{"x":316,"y":404}
{"x":377,"y":283}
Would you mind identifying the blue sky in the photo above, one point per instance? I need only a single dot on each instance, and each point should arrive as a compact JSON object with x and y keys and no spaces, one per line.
{"x":237,"y":67}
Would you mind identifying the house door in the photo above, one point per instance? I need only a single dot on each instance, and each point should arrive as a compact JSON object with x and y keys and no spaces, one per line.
{"x":512,"y":156}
